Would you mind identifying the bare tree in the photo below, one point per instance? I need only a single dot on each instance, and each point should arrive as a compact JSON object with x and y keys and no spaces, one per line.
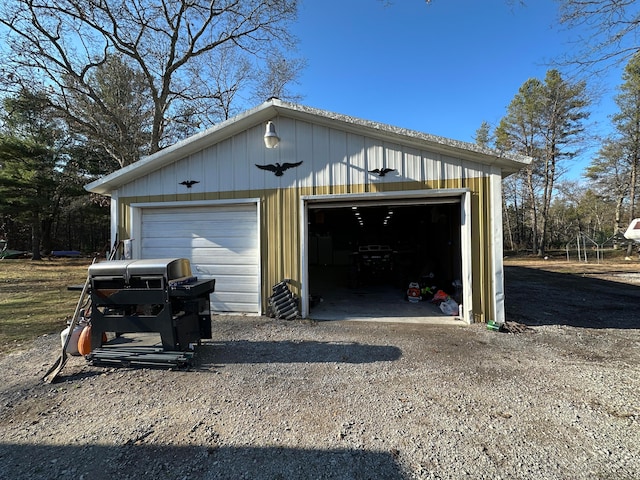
{"x":278,"y":74}
{"x":119,"y":123}
{"x":172,"y":44}
{"x":610,"y":30}
{"x":230,"y":72}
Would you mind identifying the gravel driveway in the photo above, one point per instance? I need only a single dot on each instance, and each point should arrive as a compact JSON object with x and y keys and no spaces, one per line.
{"x":273,"y":399}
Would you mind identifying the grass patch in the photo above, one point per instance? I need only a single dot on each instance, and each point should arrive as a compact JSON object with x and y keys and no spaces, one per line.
{"x":34,"y":299}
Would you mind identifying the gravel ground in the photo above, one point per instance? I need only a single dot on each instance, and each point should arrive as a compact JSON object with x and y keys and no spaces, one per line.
{"x":272,"y":399}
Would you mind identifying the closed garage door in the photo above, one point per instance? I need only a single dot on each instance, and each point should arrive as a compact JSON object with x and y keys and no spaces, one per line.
{"x":222,"y":242}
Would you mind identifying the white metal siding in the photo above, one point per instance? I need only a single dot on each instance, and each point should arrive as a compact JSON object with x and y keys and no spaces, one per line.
{"x":330,"y":157}
{"x":221,"y":242}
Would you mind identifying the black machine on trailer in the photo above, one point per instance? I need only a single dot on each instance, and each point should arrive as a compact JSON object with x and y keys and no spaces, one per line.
{"x":371,"y":263}
{"x":151,"y":295}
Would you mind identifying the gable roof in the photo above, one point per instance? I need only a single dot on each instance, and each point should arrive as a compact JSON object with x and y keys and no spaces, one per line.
{"x":507,"y":162}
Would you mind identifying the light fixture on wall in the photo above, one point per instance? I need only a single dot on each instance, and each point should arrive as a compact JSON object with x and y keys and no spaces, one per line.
{"x":271,"y":138}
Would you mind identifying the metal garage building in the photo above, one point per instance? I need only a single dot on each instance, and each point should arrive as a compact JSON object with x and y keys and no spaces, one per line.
{"x":436,"y":211}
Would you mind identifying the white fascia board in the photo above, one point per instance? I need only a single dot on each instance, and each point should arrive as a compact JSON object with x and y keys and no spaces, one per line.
{"x":497,"y":264}
{"x":466,"y":247}
{"x":304,"y":264}
{"x":115,"y":219}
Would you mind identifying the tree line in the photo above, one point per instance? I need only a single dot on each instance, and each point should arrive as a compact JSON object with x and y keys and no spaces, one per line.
{"x":43,"y":205}
{"x":89,"y":87}
{"x":547,"y":121}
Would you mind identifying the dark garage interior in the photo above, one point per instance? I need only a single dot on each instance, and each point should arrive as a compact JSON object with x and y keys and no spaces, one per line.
{"x":363,"y":257}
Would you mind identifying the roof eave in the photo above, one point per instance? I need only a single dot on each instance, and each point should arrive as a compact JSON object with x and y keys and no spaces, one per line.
{"x":509,"y":162}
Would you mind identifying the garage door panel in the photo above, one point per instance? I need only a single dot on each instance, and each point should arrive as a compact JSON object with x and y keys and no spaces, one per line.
{"x":205,"y":248}
{"x":221,"y":242}
{"x":199,"y":212}
{"x":192,"y":229}
{"x":219,"y":258}
{"x":243,"y":242}
{"x":232,"y":225}
{"x":165,"y":252}
{"x":235,"y":284}
{"x":228,"y":306}
{"x":228,"y":270}
{"x":189,"y":231}
{"x":231,"y":298}
{"x":202,"y":247}
{"x":247,"y":298}
{"x":221,"y":218}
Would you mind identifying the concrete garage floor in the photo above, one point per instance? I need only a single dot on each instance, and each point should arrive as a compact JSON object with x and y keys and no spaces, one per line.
{"x":371,"y":303}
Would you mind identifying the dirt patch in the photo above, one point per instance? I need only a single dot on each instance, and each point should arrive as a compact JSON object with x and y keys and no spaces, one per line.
{"x":581,"y":295}
{"x":351,"y":400}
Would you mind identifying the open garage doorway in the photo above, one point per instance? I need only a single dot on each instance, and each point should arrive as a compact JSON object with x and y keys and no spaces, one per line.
{"x":363,"y":256}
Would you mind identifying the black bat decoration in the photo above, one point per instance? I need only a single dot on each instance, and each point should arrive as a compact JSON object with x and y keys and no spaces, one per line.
{"x":277,"y":168}
{"x":189,"y":183}
{"x":383,"y":172}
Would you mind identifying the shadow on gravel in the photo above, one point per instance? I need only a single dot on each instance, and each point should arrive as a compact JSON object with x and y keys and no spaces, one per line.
{"x":130,"y":461}
{"x":538,"y":297}
{"x":243,"y":351}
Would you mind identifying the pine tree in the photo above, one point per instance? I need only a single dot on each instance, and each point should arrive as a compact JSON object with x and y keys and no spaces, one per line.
{"x":609,"y":175}
{"x":616,"y":166}
{"x":545,"y":122}
{"x":483,"y":135}
{"x":627,"y":125}
{"x":29,"y":173}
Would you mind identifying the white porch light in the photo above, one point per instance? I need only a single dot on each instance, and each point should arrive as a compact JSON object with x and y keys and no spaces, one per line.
{"x":271,"y":138}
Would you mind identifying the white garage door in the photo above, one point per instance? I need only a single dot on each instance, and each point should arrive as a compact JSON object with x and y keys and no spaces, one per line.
{"x":221,"y":242}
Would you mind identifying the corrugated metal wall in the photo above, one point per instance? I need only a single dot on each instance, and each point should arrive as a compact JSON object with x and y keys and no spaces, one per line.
{"x":334,"y":162}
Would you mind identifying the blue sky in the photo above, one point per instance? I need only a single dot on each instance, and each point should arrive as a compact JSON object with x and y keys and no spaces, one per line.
{"x":442,"y":68}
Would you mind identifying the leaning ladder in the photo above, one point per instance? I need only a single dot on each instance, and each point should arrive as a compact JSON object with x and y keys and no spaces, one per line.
{"x":282,"y":303}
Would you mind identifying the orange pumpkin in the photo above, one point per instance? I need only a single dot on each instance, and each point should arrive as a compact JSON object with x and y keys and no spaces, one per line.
{"x":84,"y":342}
